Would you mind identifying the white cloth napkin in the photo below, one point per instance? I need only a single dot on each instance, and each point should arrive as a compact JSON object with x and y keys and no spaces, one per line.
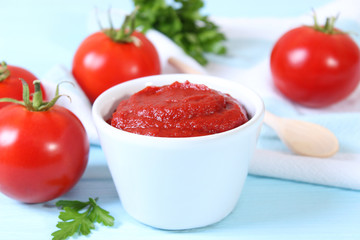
{"x":341,"y":170}
{"x":271,"y":159}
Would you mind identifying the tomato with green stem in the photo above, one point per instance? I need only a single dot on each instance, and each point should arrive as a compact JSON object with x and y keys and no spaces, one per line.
{"x":316,"y":66}
{"x":43,"y":148}
{"x":111,"y":56}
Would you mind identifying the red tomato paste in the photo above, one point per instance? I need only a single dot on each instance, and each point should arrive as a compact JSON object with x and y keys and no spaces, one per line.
{"x":179,"y":110}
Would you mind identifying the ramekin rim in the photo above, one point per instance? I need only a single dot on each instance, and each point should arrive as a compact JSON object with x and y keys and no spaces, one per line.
{"x":101,"y":122}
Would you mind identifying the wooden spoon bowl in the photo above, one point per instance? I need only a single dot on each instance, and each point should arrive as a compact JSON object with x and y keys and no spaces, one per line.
{"x":303,"y":138}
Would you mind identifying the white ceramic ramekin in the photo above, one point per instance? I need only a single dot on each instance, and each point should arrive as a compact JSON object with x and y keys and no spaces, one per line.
{"x":178,"y":183}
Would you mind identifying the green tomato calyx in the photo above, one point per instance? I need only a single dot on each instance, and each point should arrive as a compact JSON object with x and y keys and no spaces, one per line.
{"x":4,"y":71}
{"x":329,"y":27}
{"x":37,"y":104}
{"x":124,"y":34}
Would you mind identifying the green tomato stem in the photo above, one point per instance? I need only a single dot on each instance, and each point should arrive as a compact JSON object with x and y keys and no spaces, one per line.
{"x":37,"y":97}
{"x":37,"y":104}
{"x":26,"y":95}
{"x":124,"y":34}
{"x":12,"y":101}
{"x":329,"y":27}
{"x":4,"y":71}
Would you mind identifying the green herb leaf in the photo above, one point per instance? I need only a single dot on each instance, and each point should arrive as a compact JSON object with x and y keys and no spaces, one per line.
{"x":184,"y":24}
{"x":100,"y":215}
{"x":76,"y":205}
{"x":76,"y":222}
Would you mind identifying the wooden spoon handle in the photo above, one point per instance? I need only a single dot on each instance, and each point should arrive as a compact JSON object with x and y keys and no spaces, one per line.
{"x":272,"y":120}
{"x":183,"y":67}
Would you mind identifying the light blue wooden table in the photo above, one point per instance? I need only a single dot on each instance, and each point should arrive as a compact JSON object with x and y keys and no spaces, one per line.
{"x":39,"y":34}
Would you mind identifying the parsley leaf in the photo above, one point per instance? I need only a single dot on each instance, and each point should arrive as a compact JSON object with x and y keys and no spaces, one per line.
{"x":100,"y":215}
{"x":184,"y":24}
{"x":74,"y":221}
{"x":76,"y":205}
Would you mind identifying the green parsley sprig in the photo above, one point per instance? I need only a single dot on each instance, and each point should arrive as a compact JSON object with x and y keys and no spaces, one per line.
{"x":184,"y":24}
{"x":79,"y":217}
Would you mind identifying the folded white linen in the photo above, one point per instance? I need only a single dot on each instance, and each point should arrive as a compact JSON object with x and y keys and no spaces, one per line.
{"x":341,"y":170}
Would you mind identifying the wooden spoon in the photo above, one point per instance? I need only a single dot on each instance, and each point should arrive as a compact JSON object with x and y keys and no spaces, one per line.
{"x":301,"y":137}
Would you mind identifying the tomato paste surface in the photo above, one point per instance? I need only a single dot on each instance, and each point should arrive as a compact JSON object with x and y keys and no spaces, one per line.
{"x":179,"y":110}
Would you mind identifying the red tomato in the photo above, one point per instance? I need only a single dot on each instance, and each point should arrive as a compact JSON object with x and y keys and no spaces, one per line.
{"x":314,"y":68}
{"x":43,"y":154}
{"x":11,"y":86}
{"x":100,"y":62}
